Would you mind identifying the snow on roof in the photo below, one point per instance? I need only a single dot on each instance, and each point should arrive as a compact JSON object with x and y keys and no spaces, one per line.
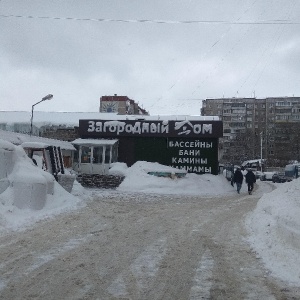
{"x":6,"y":145}
{"x":252,"y":161}
{"x":42,"y":118}
{"x":20,"y":138}
{"x":34,"y":145}
{"x":94,"y":142}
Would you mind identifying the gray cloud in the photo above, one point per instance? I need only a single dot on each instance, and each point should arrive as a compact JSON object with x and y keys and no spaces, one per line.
{"x":166,"y":66}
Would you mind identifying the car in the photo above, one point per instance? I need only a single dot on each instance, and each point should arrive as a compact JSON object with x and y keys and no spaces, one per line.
{"x":279,"y":177}
{"x":267,"y":176}
{"x":258,"y":174}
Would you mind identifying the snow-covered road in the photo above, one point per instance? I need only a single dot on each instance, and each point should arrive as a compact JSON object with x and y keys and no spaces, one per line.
{"x":137,"y":246}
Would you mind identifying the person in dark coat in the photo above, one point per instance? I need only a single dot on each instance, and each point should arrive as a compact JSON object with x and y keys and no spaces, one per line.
{"x":250,"y":180}
{"x":238,"y":178}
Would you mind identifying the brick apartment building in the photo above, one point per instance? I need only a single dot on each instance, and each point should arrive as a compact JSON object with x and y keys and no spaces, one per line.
{"x":121,"y":105}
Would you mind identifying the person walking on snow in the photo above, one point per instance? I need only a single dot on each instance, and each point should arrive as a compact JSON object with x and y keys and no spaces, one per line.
{"x":250,"y":180}
{"x":238,"y":178}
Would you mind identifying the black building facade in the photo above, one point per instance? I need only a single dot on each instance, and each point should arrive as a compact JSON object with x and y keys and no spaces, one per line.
{"x":185,"y":144}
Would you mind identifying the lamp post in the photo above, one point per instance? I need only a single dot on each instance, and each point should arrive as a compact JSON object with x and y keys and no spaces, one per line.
{"x":261,"y":149}
{"x":48,"y":97}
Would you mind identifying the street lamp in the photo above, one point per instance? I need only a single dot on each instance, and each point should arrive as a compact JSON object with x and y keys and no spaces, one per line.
{"x":261,"y":149}
{"x":48,"y":97}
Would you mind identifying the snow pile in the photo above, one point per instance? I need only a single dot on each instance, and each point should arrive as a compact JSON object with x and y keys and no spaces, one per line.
{"x":274,"y":228}
{"x":27,"y":193}
{"x":118,"y":169}
{"x":138,"y":179}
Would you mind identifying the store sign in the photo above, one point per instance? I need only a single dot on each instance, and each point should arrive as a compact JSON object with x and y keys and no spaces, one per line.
{"x":193,"y":155}
{"x":97,"y":128}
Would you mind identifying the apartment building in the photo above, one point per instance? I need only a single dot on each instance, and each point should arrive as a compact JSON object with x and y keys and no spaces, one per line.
{"x":253,"y":128}
{"x":122,"y":105}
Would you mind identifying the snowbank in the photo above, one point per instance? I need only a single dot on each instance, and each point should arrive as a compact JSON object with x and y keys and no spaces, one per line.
{"x":138,"y":179}
{"x":274,"y":228}
{"x":118,"y":169}
{"x":27,"y":193}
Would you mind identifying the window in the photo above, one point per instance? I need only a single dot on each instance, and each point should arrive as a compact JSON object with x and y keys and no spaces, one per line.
{"x":85,"y":154}
{"x":76,"y":156}
{"x":98,"y":155}
{"x":107,"y":154}
{"x":114,"y":153}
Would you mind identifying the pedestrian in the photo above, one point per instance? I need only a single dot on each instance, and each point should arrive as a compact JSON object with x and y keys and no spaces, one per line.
{"x":238,"y":178}
{"x":250,"y":180}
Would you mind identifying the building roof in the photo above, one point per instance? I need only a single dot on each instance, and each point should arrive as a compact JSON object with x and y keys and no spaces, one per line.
{"x":90,"y":142}
{"x":116,"y":98}
{"x":72,"y":118}
{"x":42,"y":118}
{"x":20,"y":138}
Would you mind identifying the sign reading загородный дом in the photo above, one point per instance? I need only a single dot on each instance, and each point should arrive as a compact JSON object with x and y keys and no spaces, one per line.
{"x":151,"y":128}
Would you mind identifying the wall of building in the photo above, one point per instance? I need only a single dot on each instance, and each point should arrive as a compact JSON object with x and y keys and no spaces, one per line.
{"x":58,"y":133}
{"x":250,"y":122}
{"x":121,"y":105}
{"x":188,"y":145}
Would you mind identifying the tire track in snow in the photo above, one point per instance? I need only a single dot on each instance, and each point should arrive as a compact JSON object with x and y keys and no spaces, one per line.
{"x":41,"y":259}
{"x":202,"y":281}
{"x":144,"y":269}
{"x":53,"y":253}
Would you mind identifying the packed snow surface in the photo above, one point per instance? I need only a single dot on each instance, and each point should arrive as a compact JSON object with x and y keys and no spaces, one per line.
{"x":273,"y":226}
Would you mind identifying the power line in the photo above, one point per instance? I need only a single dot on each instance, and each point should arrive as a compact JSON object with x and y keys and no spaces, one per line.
{"x":268,"y":59}
{"x":206,"y":53}
{"x":261,"y":22}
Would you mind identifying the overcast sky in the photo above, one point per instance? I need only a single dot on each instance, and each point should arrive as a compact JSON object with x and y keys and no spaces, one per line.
{"x":234,"y":48}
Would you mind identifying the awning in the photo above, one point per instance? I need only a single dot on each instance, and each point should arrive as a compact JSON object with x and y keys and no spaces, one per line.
{"x":94,"y":142}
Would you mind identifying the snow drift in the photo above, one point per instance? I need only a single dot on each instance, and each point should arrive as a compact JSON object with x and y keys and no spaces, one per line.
{"x":274,"y":228}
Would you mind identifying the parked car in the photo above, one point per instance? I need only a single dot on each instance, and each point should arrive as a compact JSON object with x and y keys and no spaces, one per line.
{"x":291,"y":171}
{"x":258,"y":174}
{"x":279,"y":177}
{"x":267,"y":176}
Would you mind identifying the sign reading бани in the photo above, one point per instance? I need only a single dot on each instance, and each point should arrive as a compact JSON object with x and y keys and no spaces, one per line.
{"x":151,"y":128}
